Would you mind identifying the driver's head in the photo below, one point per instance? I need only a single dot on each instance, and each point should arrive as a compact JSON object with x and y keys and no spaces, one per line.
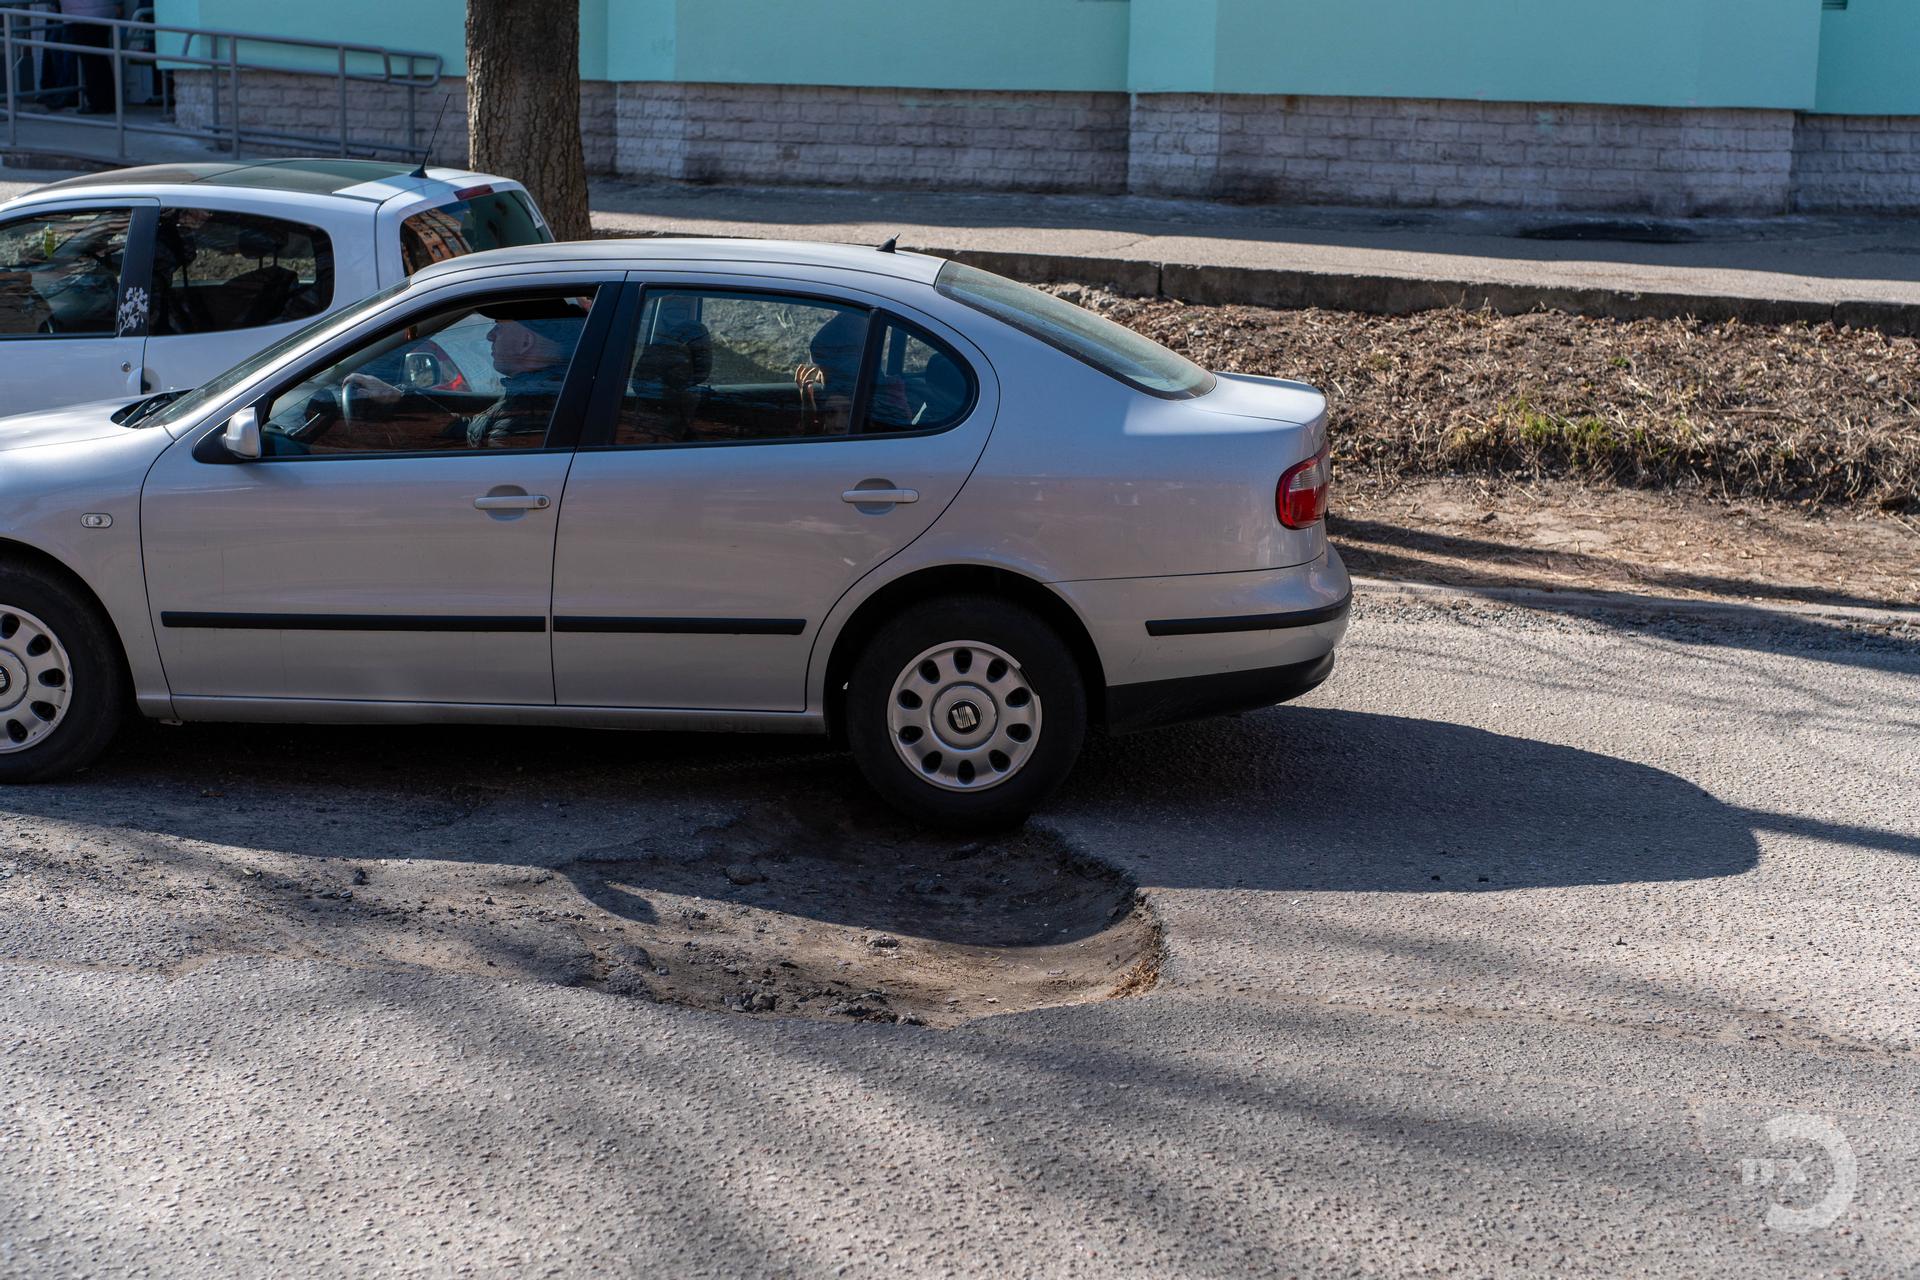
{"x":518,"y":347}
{"x":534,"y":336}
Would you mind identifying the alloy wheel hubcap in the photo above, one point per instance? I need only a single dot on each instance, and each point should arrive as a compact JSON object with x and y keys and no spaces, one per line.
{"x":963,"y":716}
{"x":35,"y":680}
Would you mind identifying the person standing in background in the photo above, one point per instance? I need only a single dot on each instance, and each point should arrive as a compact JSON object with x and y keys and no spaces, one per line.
{"x":96,"y":69}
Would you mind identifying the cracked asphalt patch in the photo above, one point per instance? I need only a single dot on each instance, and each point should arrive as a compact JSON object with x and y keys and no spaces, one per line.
{"x":809,"y":905}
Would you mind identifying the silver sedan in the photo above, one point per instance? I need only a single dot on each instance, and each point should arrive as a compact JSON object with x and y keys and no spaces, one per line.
{"x":681,"y":484}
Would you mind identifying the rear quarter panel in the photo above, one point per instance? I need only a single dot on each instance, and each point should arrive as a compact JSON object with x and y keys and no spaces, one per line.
{"x":1128,"y":503}
{"x":1087,"y":477}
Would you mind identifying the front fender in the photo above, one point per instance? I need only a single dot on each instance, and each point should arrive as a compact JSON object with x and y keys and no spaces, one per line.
{"x":44,"y":492}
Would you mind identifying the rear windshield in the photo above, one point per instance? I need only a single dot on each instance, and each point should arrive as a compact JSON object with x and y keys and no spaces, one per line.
{"x":1113,"y":349}
{"x":484,"y":219}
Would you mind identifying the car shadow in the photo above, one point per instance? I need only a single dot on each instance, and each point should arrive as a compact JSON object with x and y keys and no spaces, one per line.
{"x":1308,"y":797}
{"x":1302,"y":797}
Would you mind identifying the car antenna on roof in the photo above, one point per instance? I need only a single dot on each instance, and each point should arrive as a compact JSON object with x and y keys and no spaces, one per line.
{"x":891,"y":243}
{"x":420,"y":171}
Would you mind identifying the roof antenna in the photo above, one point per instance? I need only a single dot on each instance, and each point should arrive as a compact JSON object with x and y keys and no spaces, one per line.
{"x":892,"y":243}
{"x":420,"y":171}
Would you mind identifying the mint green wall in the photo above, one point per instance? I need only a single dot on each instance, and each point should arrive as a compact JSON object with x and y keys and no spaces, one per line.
{"x":1870,"y":59}
{"x":417,"y":26}
{"x":641,"y":38}
{"x":921,"y":44}
{"x":1679,"y":53}
{"x":1172,"y":49}
{"x":1709,"y":53}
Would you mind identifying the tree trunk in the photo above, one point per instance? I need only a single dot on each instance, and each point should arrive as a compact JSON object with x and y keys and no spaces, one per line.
{"x":523,"y":103}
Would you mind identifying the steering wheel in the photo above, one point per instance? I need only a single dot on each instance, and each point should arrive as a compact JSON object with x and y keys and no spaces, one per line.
{"x":352,"y":405}
{"x":319,"y":415}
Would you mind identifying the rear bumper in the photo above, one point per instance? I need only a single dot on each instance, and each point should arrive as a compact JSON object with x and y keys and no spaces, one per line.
{"x":1158,"y":702}
{"x":1178,"y":648}
{"x":1196,"y":624}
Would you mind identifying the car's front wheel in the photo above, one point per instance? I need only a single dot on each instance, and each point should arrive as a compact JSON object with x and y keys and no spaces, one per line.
{"x":61,"y":684}
{"x":966,"y":711}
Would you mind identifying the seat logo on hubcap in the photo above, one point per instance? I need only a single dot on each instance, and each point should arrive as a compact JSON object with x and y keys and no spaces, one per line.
{"x":964,"y":717}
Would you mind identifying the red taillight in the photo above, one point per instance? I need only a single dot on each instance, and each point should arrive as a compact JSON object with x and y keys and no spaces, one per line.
{"x":469,"y":193}
{"x":1301,"y":499}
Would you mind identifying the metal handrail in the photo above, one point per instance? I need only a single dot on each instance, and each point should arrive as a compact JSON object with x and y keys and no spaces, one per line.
{"x":26,"y":30}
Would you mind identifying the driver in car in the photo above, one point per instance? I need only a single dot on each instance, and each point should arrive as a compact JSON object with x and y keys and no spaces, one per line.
{"x":530,"y":345}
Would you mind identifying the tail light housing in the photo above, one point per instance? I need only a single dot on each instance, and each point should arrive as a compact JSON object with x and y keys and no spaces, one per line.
{"x":1301,"y":499}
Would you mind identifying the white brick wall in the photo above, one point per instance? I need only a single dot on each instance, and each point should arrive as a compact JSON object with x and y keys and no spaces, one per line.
{"x":1283,"y":150}
{"x":873,"y":137}
{"x":308,"y":105}
{"x":1399,"y":151}
{"x":1869,"y":163}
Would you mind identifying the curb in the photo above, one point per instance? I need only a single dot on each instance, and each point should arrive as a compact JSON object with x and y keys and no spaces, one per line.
{"x":24,"y":159}
{"x":1401,"y":295}
{"x":1627,"y":601}
{"x":1218,"y":285}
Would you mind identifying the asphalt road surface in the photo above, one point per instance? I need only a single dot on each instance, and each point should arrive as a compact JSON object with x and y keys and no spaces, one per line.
{"x":1532,"y":943}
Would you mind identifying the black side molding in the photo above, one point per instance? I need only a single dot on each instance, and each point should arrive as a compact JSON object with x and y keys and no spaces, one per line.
{"x":684,"y":626}
{"x":1251,"y":621}
{"x":1158,"y":702}
{"x":352,"y":622}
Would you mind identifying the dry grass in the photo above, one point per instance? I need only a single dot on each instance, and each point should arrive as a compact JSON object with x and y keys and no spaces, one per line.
{"x":1819,"y":416}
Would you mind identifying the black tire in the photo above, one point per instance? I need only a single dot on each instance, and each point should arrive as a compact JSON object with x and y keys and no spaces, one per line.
{"x":1040,"y":661}
{"x":94,"y":689}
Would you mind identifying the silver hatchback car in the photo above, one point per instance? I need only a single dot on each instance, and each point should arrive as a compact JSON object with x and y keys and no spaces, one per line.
{"x":681,"y":484}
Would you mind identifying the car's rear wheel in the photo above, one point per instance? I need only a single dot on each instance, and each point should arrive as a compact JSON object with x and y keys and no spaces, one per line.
{"x":61,"y":683}
{"x":966,"y":712}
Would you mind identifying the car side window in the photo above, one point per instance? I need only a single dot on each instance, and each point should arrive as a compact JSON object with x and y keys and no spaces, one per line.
{"x":60,"y":273}
{"x":474,"y":220}
{"x":712,"y":366}
{"x":919,"y":385}
{"x":485,"y":373}
{"x":214,"y":271}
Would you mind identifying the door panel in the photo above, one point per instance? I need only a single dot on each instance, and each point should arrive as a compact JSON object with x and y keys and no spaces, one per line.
{"x":696,"y":575}
{"x":457,"y":595}
{"x":348,"y":563}
{"x":63,"y":277}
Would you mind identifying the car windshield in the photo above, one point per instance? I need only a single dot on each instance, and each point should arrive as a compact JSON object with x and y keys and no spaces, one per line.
{"x":210,"y":392}
{"x":1111,"y":348}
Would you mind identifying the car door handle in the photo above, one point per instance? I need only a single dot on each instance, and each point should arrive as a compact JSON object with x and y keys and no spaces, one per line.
{"x":512,"y":502}
{"x":880,"y":497}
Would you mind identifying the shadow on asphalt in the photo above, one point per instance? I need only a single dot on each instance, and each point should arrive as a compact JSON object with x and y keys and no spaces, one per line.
{"x":1299,"y":797}
{"x":1371,"y":545}
{"x":1308,"y":797}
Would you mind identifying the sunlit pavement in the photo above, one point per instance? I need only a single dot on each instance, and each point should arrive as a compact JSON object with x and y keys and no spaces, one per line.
{"x":1531,"y":943}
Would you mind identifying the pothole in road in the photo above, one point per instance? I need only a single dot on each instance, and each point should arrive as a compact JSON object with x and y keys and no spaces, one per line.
{"x":791,"y":909}
{"x":807,"y":916}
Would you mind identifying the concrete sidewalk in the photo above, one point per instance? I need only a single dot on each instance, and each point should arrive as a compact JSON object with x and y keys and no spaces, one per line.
{"x":1859,"y":271}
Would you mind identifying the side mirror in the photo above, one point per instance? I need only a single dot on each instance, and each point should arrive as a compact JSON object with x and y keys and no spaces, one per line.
{"x":242,"y":435}
{"x":422,"y":371}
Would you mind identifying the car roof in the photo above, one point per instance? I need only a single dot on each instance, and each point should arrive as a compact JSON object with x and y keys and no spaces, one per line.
{"x":636,"y":254}
{"x":317,"y":176}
